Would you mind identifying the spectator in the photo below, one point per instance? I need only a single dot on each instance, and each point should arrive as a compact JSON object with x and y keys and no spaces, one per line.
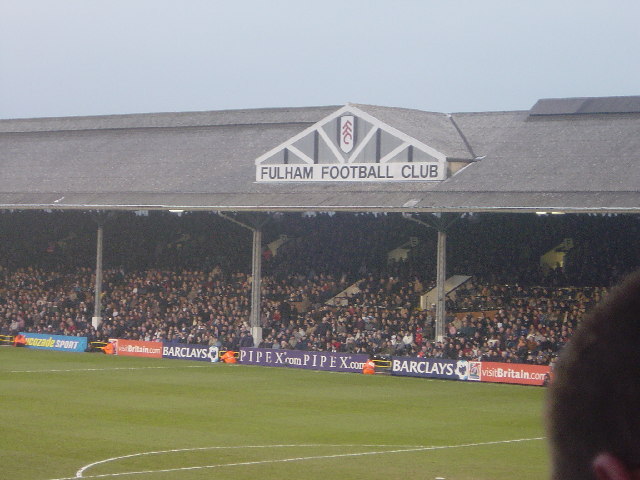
{"x":594,"y":398}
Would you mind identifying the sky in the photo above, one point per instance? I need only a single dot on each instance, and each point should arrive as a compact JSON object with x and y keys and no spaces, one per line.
{"x":100,"y":57}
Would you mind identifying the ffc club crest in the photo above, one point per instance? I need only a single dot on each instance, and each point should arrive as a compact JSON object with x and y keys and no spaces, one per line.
{"x":346,"y":133}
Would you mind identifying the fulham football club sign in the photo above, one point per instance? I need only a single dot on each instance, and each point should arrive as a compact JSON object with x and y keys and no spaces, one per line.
{"x":351,"y":146}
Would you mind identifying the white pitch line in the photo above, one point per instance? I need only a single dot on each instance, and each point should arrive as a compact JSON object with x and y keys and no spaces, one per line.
{"x":80,"y":473}
{"x":102,"y":369}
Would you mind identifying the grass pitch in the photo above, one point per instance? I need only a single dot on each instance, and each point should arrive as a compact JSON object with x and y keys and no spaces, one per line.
{"x":94,"y":416}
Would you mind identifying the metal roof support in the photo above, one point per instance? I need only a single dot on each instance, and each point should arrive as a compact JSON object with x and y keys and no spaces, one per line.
{"x":441,"y":222}
{"x":256,"y":272}
{"x":96,"y":320}
{"x":441,"y":277}
{"x":100,"y":218}
{"x":256,"y":287}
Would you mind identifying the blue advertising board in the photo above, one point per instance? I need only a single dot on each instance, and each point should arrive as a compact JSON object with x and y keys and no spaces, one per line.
{"x":55,"y":342}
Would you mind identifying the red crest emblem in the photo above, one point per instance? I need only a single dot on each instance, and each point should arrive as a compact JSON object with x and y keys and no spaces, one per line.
{"x":347,"y":133}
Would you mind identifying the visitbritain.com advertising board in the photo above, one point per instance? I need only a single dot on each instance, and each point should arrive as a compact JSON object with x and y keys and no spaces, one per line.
{"x":517,"y":373}
{"x":137,"y":348}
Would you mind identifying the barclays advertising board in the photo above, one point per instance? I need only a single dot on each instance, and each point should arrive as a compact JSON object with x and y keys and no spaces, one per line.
{"x":434,"y":368}
{"x":59,"y":343}
{"x":181,"y":351}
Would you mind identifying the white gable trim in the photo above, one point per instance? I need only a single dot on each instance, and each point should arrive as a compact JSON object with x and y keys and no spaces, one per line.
{"x":362,"y":144}
{"x":302,"y":134}
{"x":394,"y":152}
{"x":305,"y":158}
{"x":377,"y":124}
{"x":402,"y":136}
{"x":331,"y":145}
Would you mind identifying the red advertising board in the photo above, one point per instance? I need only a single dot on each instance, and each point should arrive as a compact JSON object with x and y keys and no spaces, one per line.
{"x":135,"y":348}
{"x":519,"y":373}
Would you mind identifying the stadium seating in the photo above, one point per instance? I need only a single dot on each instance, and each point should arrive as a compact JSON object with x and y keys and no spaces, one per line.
{"x":186,"y":279}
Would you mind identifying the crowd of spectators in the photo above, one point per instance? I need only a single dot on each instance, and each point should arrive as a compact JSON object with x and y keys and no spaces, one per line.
{"x":186,"y":279}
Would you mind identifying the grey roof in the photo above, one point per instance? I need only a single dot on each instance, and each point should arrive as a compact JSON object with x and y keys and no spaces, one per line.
{"x":519,"y":161}
{"x":583,"y":105}
{"x":163,"y":120}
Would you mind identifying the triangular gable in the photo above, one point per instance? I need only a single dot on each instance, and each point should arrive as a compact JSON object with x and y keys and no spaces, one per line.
{"x":351,"y":145}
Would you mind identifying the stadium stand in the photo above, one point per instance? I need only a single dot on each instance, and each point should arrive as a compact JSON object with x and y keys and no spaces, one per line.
{"x":185,"y":279}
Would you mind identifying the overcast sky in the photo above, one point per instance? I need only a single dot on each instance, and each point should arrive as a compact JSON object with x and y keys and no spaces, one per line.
{"x":95,"y":57}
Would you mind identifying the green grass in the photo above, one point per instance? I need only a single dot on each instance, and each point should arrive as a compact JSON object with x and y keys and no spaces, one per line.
{"x":63,"y":411}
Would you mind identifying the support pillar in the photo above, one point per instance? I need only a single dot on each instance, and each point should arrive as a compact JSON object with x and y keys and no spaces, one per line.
{"x":255,"y":226}
{"x":441,"y":276}
{"x":96,"y":321}
{"x":440,"y":222}
{"x":256,"y":267}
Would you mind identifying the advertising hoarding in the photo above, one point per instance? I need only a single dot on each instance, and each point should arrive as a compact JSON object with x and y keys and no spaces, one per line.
{"x":430,"y":368}
{"x":55,"y":342}
{"x":518,"y":373}
{"x":181,"y":351}
{"x":330,"y":361}
{"x":137,"y":348}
